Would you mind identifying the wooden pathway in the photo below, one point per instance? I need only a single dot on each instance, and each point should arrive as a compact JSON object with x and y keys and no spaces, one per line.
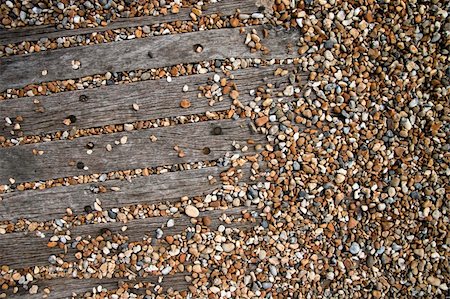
{"x":81,"y":144}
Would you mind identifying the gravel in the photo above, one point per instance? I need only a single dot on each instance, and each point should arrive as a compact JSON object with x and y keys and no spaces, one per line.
{"x":353,"y":198}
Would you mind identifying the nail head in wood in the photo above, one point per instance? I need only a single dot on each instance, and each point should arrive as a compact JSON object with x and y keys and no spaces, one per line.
{"x":217,"y":131}
{"x":206,"y":150}
{"x":83,"y":98}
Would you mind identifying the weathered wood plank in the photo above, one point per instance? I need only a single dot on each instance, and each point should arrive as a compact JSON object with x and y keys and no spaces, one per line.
{"x":66,"y":158}
{"x":141,"y":190}
{"x":63,"y":288}
{"x":23,"y":250}
{"x":113,"y":104}
{"x":145,"y":53}
{"x":224,"y":8}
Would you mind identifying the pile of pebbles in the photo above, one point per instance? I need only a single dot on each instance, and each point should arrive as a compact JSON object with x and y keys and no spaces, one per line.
{"x":355,"y":198}
{"x":85,"y":13}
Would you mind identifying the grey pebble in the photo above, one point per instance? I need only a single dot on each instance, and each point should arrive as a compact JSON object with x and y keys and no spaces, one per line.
{"x":166,"y":270}
{"x":355,"y":248}
{"x":112,"y":214}
{"x":52,"y":259}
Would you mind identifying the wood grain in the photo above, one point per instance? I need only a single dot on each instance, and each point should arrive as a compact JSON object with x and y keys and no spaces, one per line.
{"x":63,"y":288}
{"x":166,"y":187}
{"x":145,"y":53}
{"x":113,"y":104}
{"x":25,"y":249}
{"x":64,"y":157}
{"x":35,"y":33}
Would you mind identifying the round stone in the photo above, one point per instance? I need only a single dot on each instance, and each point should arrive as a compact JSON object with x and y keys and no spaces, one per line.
{"x":340,"y":178}
{"x":191,"y":211}
{"x":228,"y":247}
{"x":355,"y":248}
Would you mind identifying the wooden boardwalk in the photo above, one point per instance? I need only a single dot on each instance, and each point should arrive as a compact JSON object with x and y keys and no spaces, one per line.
{"x":70,"y":156}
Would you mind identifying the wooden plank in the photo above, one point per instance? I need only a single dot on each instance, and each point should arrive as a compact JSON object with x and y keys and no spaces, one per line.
{"x":113,"y":104}
{"x":141,"y":190}
{"x":145,"y":53}
{"x":26,"y":249}
{"x":66,"y":158}
{"x":63,"y":288}
{"x":35,"y":33}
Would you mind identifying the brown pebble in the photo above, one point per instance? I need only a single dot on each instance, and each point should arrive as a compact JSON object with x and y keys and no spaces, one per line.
{"x":51,"y":244}
{"x":352,"y":223}
{"x":185,"y":103}
{"x":234,"y":22}
{"x":261,"y":121}
{"x":207,"y":220}
{"x":234,"y":94}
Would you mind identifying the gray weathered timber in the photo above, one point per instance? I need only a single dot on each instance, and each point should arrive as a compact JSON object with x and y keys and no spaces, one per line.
{"x":108,"y":105}
{"x":66,"y":158}
{"x":25,"y":249}
{"x":166,"y":187}
{"x":63,"y":288}
{"x":34,"y":33}
{"x":145,"y":53}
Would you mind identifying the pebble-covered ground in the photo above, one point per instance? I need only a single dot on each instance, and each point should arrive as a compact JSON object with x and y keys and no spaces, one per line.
{"x":66,"y":14}
{"x":355,"y":200}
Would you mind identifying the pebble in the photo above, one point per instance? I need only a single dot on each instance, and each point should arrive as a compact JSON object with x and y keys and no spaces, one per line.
{"x":159,"y":233}
{"x":328,"y":55}
{"x":166,"y":270}
{"x":340,"y":178}
{"x":185,"y":103}
{"x":191,"y":211}
{"x":146,"y":29}
{"x":34,"y":289}
{"x":127,"y":127}
{"x":261,"y":121}
{"x":206,"y":220}
{"x":434,"y":281}
{"x":355,"y":248}
{"x":170,"y":223}
{"x":228,"y":247}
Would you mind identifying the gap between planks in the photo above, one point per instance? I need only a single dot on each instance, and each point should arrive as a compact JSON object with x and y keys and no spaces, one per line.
{"x":35,"y":33}
{"x":145,"y":53}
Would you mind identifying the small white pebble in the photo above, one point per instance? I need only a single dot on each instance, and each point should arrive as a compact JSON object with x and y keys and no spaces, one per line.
{"x":170,"y":223}
{"x":34,"y":289}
